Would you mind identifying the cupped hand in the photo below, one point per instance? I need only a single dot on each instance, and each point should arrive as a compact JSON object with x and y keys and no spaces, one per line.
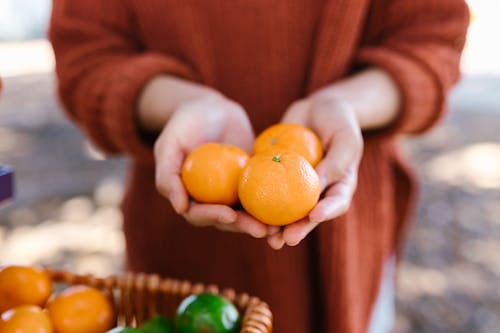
{"x":207,"y":119}
{"x":334,"y":121}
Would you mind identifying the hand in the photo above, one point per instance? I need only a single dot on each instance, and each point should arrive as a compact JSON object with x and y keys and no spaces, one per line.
{"x":336,"y":124}
{"x":211,"y":118}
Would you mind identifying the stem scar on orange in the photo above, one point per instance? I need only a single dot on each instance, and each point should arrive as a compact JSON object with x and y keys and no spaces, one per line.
{"x":81,"y":309}
{"x":21,"y":285}
{"x":292,"y":137}
{"x":27,"y":318}
{"x":211,"y":172}
{"x":279,"y":187}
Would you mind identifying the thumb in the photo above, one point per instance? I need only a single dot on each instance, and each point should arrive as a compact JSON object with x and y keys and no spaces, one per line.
{"x":344,"y":153}
{"x":297,"y":113}
{"x":169,"y":158}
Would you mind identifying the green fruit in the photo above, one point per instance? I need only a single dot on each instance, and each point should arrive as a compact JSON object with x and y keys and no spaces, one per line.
{"x":124,"y":330}
{"x":207,"y":313}
{"x":157,"y":324}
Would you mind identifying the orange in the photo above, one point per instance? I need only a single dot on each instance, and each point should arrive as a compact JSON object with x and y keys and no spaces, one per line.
{"x":292,"y":137}
{"x":25,"y":319}
{"x":211,"y":172}
{"x":279,"y":187}
{"x":21,"y":285}
{"x":81,"y":309}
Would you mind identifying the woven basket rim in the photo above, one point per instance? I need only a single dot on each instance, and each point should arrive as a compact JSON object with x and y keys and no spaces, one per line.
{"x":256,"y":316}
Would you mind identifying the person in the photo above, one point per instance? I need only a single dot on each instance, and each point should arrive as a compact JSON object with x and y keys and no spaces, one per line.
{"x":155,"y":79}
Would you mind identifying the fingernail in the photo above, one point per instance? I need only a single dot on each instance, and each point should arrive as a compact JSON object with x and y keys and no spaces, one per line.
{"x":258,"y":233}
{"x":275,"y":243}
{"x":279,"y":247}
{"x":175,"y":202}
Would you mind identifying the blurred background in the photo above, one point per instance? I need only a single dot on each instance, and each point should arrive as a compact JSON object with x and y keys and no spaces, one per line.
{"x":66,"y":211}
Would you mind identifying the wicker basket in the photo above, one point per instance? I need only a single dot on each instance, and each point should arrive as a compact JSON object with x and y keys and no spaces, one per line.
{"x":137,"y":297}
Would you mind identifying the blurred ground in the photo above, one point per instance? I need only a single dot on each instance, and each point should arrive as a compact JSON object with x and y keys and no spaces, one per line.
{"x":66,"y":209}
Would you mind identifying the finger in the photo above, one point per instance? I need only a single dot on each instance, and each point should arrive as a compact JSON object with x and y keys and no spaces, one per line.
{"x":214,"y":215}
{"x":240,"y":132}
{"x":276,"y":241}
{"x":336,"y":124}
{"x":250,"y":225}
{"x":337,"y":199}
{"x":336,"y":202}
{"x":170,"y":150}
{"x":171,"y":187}
{"x":205,"y":215}
{"x":227,"y":227}
{"x":344,"y":152}
{"x":168,"y":180}
{"x":246,"y":225}
{"x":297,"y":231}
{"x":273,"y":229}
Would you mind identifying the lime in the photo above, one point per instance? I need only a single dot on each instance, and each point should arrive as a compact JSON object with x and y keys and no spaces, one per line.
{"x":157,"y":324}
{"x":207,"y":313}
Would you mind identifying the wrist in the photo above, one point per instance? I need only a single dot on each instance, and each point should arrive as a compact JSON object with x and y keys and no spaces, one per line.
{"x":330,"y":100}
{"x":372,"y":94}
{"x":162,"y":95}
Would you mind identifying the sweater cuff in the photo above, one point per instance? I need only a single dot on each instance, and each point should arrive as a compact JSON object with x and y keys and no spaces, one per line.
{"x":422,"y":100}
{"x":120,"y":102}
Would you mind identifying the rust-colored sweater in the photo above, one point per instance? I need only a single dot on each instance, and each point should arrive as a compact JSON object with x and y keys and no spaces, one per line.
{"x":263,"y":54}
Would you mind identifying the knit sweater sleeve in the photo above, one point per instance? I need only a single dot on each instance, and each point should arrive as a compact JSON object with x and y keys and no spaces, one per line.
{"x":419,"y":44}
{"x":101,"y":71}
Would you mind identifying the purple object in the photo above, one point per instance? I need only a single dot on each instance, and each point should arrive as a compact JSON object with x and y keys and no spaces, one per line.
{"x":6,"y":184}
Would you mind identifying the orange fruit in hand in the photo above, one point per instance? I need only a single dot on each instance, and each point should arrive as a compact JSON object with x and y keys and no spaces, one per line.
{"x":21,"y":285}
{"x":25,"y":319}
{"x":211,"y":172}
{"x":279,"y":188}
{"x":81,"y":309}
{"x":292,"y":137}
